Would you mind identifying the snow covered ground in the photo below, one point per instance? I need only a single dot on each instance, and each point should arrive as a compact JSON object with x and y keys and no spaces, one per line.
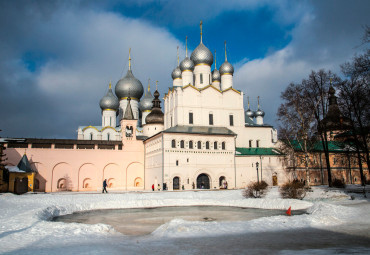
{"x":335,"y":224}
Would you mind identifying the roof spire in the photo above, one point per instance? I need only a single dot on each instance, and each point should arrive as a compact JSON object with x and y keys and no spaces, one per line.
{"x":186,"y":46}
{"x":248,"y":104}
{"x":215,"y":60}
{"x":149,"y":85}
{"x":178,"y":58}
{"x":110,"y":84}
{"x":258,"y":99}
{"x":225,"y":52}
{"x":201,"y":31}
{"x":129,"y":59}
{"x":156,"y":85}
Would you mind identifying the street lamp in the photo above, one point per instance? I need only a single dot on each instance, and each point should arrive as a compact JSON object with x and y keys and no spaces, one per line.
{"x":258,"y":178}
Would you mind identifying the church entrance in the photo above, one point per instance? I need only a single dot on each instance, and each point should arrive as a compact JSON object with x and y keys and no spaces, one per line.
{"x":176,"y":183}
{"x":203,"y":182}
{"x":222,"y":182}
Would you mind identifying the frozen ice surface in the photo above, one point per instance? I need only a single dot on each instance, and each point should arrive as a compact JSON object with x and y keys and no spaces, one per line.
{"x":335,"y":225}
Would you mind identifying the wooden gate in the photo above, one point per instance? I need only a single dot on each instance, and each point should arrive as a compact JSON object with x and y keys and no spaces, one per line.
{"x":20,"y":185}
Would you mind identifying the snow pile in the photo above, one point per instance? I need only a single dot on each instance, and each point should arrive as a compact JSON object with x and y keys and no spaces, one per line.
{"x":25,"y":220}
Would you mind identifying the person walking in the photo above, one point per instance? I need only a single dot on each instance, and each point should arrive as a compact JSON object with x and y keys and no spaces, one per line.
{"x":105,"y":186}
{"x":153,"y":187}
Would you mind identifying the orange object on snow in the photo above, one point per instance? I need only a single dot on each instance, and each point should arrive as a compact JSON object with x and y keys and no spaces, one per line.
{"x":289,"y":211}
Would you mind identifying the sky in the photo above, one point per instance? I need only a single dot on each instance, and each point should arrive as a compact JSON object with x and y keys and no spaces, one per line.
{"x":57,"y":57}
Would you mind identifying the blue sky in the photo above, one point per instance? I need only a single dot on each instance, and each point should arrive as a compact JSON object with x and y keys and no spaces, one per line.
{"x":57,"y":57}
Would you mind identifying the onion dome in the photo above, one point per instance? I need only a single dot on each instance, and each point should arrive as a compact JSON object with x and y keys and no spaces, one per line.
{"x":187,"y":64}
{"x":226,"y":67}
{"x":146,"y":103}
{"x":249,"y":113}
{"x":259,"y":112}
{"x":109,"y":101}
{"x":215,"y":73}
{"x":201,"y":54}
{"x":129,"y":85}
{"x":156,"y":116}
{"x":176,"y":73}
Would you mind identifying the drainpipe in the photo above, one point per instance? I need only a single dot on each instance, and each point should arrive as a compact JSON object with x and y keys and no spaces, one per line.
{"x":162,"y":160}
{"x":234,"y":162}
{"x":261,"y":166}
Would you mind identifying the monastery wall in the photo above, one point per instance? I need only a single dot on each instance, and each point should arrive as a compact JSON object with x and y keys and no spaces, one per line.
{"x":84,"y":169}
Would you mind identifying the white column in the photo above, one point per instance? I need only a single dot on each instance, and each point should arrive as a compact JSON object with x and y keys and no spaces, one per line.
{"x":177,"y":82}
{"x":109,"y":118}
{"x":226,"y":81}
{"x":205,"y":72}
{"x":187,"y":77}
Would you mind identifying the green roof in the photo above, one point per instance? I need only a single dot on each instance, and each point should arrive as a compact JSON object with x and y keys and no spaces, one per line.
{"x":257,"y":151}
{"x":333,"y":146}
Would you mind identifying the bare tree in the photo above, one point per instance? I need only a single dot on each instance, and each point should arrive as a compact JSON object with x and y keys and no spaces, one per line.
{"x":296,"y":124}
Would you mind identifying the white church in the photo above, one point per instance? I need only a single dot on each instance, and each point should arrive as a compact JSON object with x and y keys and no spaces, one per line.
{"x":205,"y":138}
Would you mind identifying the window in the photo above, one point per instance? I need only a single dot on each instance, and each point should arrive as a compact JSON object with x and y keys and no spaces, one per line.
{"x":250,"y":143}
{"x":223,"y":145}
{"x":91,"y":136}
{"x":215,"y":145}
{"x":210,"y":81}
{"x":207,"y":145}
{"x":177,"y":162}
{"x":258,"y":143}
{"x":190,"y":144}
{"x":173,"y":143}
{"x":201,"y":78}
{"x":210,"y":119}
{"x":199,"y":145}
{"x":190,"y":118}
{"x":171,"y":121}
{"x":231,"y":119}
{"x":108,"y":136}
{"x":182,"y":144}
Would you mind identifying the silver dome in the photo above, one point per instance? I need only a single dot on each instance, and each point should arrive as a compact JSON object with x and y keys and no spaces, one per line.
{"x":226,"y":68}
{"x":176,"y":73}
{"x":109,"y":101}
{"x":249,"y":113}
{"x":129,"y":86}
{"x":187,"y":65}
{"x":202,"y":55}
{"x":216,"y":75}
{"x":259,"y":113}
{"x":146,"y":103}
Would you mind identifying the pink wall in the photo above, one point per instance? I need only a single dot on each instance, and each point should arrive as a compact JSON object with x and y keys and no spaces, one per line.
{"x":85,"y":169}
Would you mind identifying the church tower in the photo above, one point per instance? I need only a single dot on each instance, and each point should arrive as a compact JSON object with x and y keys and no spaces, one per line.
{"x":129,"y":86}
{"x":187,"y":68}
{"x":109,"y":105}
{"x":155,"y":120}
{"x":227,"y":72}
{"x":146,"y":104}
{"x":128,"y":123}
{"x":203,"y":60}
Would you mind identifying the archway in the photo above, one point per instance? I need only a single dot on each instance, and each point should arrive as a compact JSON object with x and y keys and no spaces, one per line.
{"x":203,"y":181}
{"x":176,"y":183}
{"x":222,"y":182}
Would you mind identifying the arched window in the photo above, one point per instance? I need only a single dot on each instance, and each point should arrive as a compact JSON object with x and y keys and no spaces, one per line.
{"x":190,"y":144}
{"x":215,"y":145}
{"x":258,"y":143}
{"x":223,"y":145}
{"x":201,"y":78}
{"x":182,"y":144}
{"x":250,"y":143}
{"x":108,"y":136}
{"x":91,"y":136}
{"x":207,"y":145}
{"x":173,"y":143}
{"x":199,"y":145}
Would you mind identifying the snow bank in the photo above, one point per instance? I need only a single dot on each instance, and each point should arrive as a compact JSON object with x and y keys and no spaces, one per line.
{"x":25,"y":220}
